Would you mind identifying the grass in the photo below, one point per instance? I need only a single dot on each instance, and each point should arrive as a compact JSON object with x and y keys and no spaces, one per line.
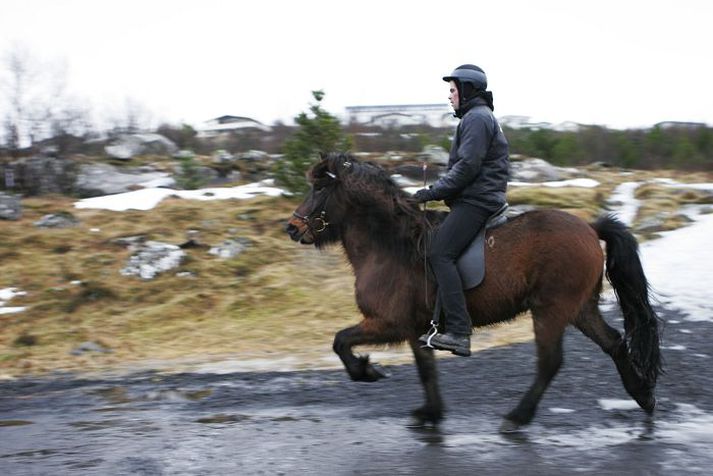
{"x":276,"y":299}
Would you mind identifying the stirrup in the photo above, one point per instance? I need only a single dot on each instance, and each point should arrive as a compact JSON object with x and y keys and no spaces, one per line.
{"x":431,"y":333}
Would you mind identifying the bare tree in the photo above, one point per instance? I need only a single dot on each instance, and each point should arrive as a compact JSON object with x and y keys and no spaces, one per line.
{"x":17,"y":87}
{"x":38,"y":105}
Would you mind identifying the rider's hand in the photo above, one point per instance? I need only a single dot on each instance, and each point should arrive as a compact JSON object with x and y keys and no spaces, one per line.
{"x":423,"y":195}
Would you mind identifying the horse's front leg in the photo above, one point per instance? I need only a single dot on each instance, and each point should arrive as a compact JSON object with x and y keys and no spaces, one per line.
{"x":368,"y":332}
{"x":432,"y":410}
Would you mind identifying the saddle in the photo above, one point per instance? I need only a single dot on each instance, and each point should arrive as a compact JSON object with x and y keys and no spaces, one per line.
{"x":471,"y":264}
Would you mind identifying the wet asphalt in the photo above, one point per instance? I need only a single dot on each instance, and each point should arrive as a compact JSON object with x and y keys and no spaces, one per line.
{"x":320,"y":422}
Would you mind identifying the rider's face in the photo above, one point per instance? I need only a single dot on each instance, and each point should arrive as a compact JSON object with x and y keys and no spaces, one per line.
{"x":453,"y":96}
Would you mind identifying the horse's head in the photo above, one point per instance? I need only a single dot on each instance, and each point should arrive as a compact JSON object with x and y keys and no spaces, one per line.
{"x":317,"y":218}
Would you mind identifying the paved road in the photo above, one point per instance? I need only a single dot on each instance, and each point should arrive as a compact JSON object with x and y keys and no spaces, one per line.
{"x":319,"y":422}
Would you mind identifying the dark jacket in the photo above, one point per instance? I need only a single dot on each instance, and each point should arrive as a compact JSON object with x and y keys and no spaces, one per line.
{"x":478,"y":163}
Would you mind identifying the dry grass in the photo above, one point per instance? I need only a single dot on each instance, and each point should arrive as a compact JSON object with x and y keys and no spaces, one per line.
{"x":277,"y":299}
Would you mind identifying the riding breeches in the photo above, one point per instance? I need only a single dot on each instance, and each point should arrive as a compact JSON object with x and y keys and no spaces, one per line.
{"x":450,"y":240}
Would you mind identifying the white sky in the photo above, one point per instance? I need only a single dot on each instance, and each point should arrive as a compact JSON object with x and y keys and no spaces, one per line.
{"x":613,"y":62}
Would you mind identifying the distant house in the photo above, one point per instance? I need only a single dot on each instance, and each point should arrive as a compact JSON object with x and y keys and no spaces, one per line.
{"x":226,"y":124}
{"x":436,"y":115}
{"x":526,"y":122}
{"x":680,"y":125}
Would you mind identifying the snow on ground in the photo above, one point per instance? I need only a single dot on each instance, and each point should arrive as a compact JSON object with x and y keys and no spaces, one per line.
{"x":624,"y":202}
{"x":148,"y":198}
{"x":678,"y":266}
{"x":6,"y":295}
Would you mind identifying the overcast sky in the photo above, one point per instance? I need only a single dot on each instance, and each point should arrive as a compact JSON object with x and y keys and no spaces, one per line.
{"x":612,"y":62}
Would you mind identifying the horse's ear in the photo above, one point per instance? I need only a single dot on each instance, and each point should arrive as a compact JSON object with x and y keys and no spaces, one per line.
{"x":323,"y":156}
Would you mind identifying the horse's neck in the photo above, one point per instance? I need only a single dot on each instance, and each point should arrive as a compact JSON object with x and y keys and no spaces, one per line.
{"x":363,"y":244}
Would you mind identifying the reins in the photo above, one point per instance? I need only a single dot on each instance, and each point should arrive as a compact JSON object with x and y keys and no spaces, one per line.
{"x":436,"y":312}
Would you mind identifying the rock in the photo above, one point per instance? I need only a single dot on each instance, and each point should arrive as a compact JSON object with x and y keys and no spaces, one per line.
{"x":653,"y":224}
{"x":95,"y":180}
{"x":152,"y":258}
{"x":89,"y":347}
{"x":10,"y":207}
{"x":222,"y":157}
{"x":128,"y":146}
{"x":534,"y":170}
{"x":415,"y":172}
{"x":184,"y":154}
{"x":39,"y":175}
{"x":434,"y":154}
{"x":254,"y":156}
{"x":230,"y":248}
{"x":255,"y":165}
{"x":129,"y":241}
{"x":57,"y":220}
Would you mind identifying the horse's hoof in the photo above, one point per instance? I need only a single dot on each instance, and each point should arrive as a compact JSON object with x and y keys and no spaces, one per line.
{"x":509,"y":427}
{"x":424,"y":417}
{"x":648,"y":404}
{"x":374,"y":372}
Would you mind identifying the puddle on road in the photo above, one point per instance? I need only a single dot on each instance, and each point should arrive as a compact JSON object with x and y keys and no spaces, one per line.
{"x":687,"y":425}
{"x":223,"y":419}
{"x":15,"y":422}
{"x":120,"y":395}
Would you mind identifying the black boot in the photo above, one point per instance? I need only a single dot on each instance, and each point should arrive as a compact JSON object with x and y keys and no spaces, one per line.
{"x":458,"y":344}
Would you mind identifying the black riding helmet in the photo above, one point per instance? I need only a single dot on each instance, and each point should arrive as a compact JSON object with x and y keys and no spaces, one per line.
{"x":470,"y":80}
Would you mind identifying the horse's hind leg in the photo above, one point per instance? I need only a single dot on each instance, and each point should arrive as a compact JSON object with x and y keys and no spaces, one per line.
{"x":549,"y":328}
{"x":432,"y":410}
{"x":591,"y":323}
{"x":368,"y":332}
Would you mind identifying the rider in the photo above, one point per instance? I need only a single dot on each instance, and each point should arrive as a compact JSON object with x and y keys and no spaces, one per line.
{"x":473,"y":188}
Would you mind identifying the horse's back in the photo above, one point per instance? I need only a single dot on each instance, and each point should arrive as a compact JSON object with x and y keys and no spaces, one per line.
{"x":534,"y":259}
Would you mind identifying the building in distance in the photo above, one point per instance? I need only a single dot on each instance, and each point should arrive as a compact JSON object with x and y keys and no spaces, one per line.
{"x":398,"y":115}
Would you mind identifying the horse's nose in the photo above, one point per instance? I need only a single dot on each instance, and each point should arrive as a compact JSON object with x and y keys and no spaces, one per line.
{"x":293,"y":231}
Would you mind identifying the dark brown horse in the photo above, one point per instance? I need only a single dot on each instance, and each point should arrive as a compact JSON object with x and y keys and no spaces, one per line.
{"x":547,"y":261}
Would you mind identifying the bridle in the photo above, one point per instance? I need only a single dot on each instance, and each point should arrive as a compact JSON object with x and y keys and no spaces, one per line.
{"x":319,"y":223}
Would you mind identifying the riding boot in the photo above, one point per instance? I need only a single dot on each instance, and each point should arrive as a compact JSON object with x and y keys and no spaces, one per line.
{"x":458,"y":326}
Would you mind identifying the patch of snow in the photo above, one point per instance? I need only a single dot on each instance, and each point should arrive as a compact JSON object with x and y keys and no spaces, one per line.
{"x":609,"y":404}
{"x":677,"y":266}
{"x":148,"y":198}
{"x":623,"y":203}
{"x":6,"y":295}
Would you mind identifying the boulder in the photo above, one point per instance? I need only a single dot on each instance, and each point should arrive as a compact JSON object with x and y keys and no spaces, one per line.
{"x":39,"y":175}
{"x":222,"y":157}
{"x":128,"y":146}
{"x":10,"y":207}
{"x":95,"y":180}
{"x":57,"y":220}
{"x":230,"y":248}
{"x":254,"y":156}
{"x":534,"y":170}
{"x":434,"y":154}
{"x":152,"y":258}
{"x":255,"y":165}
{"x":89,"y":346}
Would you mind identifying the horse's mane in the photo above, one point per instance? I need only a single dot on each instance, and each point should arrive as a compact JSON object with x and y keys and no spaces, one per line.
{"x":394,"y":220}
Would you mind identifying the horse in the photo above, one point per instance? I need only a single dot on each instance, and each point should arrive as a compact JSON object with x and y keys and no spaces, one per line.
{"x":547,"y":261}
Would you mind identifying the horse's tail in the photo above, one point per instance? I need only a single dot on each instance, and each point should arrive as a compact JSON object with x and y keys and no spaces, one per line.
{"x":625,"y":273}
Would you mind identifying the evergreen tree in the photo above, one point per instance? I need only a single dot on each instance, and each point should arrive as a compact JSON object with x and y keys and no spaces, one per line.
{"x":318,"y":132}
